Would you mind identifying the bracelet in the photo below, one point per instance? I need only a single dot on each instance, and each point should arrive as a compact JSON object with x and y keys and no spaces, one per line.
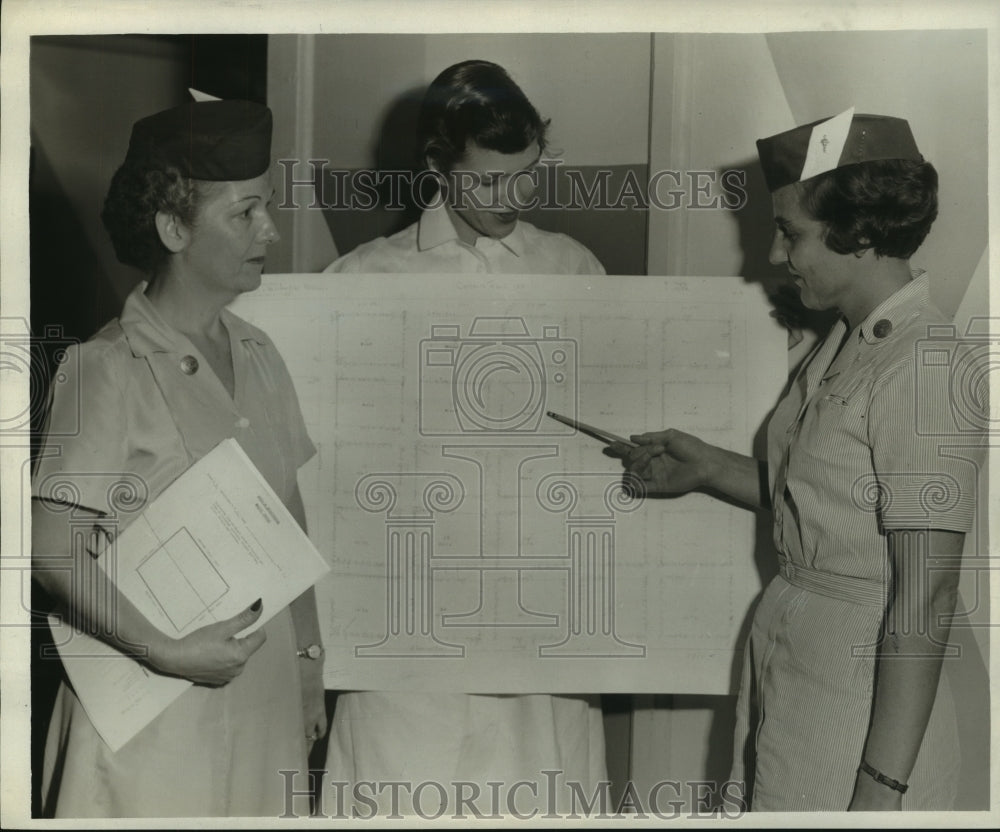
{"x":879,"y":777}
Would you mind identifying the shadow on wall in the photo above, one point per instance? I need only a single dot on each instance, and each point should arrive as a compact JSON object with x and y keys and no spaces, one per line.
{"x":71,"y":293}
{"x":756,"y":232}
{"x":363,"y":204}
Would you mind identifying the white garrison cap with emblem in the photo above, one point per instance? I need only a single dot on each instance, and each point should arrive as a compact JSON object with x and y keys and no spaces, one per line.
{"x":846,"y":139}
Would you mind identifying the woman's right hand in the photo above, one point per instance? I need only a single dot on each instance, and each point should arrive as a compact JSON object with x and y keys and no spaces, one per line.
{"x":211,"y":655}
{"x":668,"y":461}
{"x":674,"y":462}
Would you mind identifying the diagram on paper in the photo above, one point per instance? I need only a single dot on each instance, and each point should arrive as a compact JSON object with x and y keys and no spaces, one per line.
{"x":477,"y":544}
{"x":182,"y":580}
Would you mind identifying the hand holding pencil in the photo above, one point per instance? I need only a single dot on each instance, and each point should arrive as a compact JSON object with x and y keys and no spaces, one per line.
{"x":667,"y":462}
{"x":671,"y":461}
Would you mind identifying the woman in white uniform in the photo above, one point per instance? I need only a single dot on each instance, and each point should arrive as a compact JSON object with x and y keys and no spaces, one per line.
{"x":153,"y":391}
{"x":476,"y":126}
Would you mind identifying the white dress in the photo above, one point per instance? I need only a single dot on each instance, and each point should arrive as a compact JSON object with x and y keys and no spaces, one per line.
{"x":446,"y":739}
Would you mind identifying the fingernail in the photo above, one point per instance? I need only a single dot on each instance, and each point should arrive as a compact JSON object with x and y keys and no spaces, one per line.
{"x":256,"y":605}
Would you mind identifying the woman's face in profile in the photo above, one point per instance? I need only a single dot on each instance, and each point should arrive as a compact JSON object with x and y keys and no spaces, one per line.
{"x":231,"y":234}
{"x":823,"y":277}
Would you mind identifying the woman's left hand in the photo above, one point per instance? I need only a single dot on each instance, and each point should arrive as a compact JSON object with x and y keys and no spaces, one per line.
{"x":313,"y":700}
{"x":870,"y":796}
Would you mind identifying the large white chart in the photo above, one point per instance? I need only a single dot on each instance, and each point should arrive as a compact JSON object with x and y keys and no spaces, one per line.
{"x":477,"y":545}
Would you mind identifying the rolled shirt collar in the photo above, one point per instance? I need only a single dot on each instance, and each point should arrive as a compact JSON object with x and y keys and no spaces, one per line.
{"x":147,"y":332}
{"x":436,"y":228}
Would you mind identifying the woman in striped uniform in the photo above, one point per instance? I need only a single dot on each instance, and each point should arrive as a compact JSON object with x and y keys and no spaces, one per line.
{"x":840,"y":705}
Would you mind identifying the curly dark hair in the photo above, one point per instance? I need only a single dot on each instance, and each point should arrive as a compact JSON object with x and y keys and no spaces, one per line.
{"x":476,"y":101}
{"x":887,"y":206}
{"x":139,"y":189}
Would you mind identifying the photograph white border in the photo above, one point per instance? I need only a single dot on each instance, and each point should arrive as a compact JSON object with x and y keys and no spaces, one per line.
{"x":23,"y":18}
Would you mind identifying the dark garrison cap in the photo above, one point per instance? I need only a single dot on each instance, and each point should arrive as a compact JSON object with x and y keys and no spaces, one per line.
{"x":846,"y":139}
{"x":219,"y":141}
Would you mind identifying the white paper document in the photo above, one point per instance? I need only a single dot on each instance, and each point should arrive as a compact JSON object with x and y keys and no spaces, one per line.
{"x":208,"y":546}
{"x":477,"y":545}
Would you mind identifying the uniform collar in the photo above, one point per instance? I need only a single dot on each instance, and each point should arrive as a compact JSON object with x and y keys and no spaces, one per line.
{"x":435,"y":228}
{"x":147,"y":332}
{"x":896,"y":309}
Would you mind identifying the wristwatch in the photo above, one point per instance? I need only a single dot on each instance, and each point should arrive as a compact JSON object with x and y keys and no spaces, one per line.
{"x":313,"y":651}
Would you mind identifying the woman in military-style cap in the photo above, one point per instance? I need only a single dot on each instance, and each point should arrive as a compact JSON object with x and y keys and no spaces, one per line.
{"x":840,"y":705}
{"x":159,"y":387}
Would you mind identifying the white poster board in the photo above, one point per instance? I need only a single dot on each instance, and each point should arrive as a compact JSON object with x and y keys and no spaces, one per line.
{"x":477,"y":545}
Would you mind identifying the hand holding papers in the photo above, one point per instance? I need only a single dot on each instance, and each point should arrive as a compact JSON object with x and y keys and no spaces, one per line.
{"x":214,"y":540}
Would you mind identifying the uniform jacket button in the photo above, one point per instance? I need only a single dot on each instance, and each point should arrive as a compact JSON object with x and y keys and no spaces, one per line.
{"x":882,"y":328}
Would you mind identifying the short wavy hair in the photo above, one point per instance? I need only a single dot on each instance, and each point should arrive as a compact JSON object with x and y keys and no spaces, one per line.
{"x":475,"y":101}
{"x":887,"y":206}
{"x":139,"y":189}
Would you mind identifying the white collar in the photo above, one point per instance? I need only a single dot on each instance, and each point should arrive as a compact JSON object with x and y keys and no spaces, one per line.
{"x":435,"y":228}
